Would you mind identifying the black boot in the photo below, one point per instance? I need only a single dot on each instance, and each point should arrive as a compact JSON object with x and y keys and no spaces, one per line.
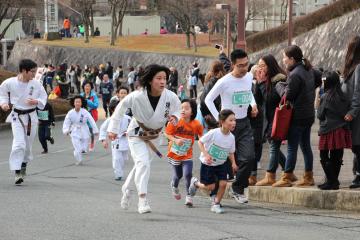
{"x":356,"y":182}
{"x":331,"y":182}
{"x":338,"y":165}
{"x":323,"y":165}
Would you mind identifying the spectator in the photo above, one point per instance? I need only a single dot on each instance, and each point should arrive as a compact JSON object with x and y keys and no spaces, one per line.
{"x":299,"y":90}
{"x":146,"y":32}
{"x":66,"y":26}
{"x":76,"y":31}
{"x":109,"y":70}
{"x":173,"y":80}
{"x":131,"y":78}
{"x":193,"y":80}
{"x":163,"y":30}
{"x":97,"y":32}
{"x":351,"y":88}
{"x":82,"y":30}
{"x":118,"y":76}
{"x":62,"y":81}
{"x":37,"y":33}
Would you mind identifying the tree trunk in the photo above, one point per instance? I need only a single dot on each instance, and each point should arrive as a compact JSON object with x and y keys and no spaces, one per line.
{"x":113,"y":26}
{"x":92,"y":28}
{"x":187,"y":40}
{"x":9,"y":24}
{"x":194,"y":40}
{"x":86,"y":25}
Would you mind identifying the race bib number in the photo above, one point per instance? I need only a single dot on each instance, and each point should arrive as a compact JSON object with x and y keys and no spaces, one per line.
{"x":218,"y":154}
{"x":43,"y":115}
{"x":181,"y":150}
{"x":105,"y":91}
{"x":242,"y":98}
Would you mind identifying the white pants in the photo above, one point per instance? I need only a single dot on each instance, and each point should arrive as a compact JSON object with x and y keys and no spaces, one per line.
{"x":142,"y":156}
{"x":118,"y":161}
{"x":80,"y":144}
{"x":21,"y":150}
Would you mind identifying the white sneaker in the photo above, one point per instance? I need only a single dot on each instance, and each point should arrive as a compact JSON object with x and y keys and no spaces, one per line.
{"x":216,"y":208}
{"x":189,"y":201}
{"x":193,"y":188}
{"x":240,"y":198}
{"x":78,"y":163}
{"x":143,"y":206}
{"x":175,"y":191}
{"x":125,"y":200}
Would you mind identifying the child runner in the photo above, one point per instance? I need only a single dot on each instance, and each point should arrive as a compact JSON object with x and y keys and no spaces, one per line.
{"x":216,"y":146}
{"x":106,"y":90}
{"x":46,"y":119}
{"x":76,"y":125}
{"x":152,"y":106}
{"x":22,"y":95}
{"x":180,"y":151}
{"x":334,"y":131}
{"x":120,"y":146}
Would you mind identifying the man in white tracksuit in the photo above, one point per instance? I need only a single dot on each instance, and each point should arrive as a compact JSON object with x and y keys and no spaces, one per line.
{"x":22,"y":95}
{"x":152,"y":106}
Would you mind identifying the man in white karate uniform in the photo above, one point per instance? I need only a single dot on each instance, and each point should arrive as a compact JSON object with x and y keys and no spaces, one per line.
{"x":22,"y":95}
{"x":152,"y":106}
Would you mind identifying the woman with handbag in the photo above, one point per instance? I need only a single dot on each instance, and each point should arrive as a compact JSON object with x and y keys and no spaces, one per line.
{"x":351,"y":88}
{"x":299,"y":90}
{"x":273,"y":74}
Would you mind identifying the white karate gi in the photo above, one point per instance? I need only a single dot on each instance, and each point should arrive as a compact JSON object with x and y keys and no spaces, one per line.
{"x":142,"y":154}
{"x":119,"y":147}
{"x":19,"y":93}
{"x":75,"y":124}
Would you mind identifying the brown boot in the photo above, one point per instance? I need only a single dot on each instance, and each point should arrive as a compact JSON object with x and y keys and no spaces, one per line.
{"x":252,"y":180}
{"x":284,"y":181}
{"x":268,"y":180}
{"x":292,"y":177}
{"x":308,"y":180}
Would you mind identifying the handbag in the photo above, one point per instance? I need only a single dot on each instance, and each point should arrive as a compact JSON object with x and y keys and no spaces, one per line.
{"x":282,"y":119}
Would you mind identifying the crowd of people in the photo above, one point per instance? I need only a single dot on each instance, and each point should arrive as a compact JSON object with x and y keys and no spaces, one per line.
{"x":232,"y":118}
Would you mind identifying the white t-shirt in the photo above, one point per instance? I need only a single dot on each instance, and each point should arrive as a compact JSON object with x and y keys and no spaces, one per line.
{"x":235,"y":94}
{"x":218,"y":145}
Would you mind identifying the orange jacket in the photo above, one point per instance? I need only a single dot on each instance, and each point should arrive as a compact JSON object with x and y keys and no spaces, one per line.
{"x":66,"y":23}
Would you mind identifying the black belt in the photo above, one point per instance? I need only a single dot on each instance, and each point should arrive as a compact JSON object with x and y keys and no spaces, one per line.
{"x":23,"y":112}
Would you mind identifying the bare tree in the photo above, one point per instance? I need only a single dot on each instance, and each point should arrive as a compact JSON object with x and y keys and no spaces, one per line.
{"x":85,"y":8}
{"x":9,"y":10}
{"x":283,"y":11}
{"x":118,"y":8}
{"x":186,"y":12}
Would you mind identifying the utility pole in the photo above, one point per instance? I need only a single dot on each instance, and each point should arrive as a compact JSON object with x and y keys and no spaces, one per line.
{"x":241,"y":41}
{"x":290,"y":25}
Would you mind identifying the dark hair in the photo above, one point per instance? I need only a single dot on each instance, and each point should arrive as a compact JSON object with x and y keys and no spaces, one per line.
{"x":88,"y":82}
{"x":250,"y":66}
{"x":83,"y":101}
{"x":273,"y":69}
{"x":132,"y":68}
{"x":237,"y":54}
{"x":193,"y":106}
{"x":149,"y":72}
{"x":27,"y":65}
{"x":332,"y":87}
{"x":352,"y":58}
{"x":112,"y":106}
{"x":195,"y":64}
{"x":122,"y":87}
{"x":216,"y":70}
{"x":296,"y":53}
{"x":224,"y":114}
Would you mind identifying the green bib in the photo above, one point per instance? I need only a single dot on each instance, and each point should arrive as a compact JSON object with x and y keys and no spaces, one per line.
{"x":218,"y":154}
{"x":181,"y":150}
{"x":242,"y":98}
{"x":43,"y":115}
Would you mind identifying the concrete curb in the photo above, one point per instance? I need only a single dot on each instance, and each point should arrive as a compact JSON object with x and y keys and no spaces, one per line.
{"x":7,"y":126}
{"x":343,"y":199}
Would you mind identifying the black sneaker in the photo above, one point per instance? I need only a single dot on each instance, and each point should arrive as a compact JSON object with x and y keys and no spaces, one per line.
{"x":18,"y":179}
{"x":356,"y":182}
{"x":51,"y":140}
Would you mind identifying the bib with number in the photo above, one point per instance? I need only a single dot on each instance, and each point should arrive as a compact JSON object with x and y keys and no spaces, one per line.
{"x":43,"y":115}
{"x":218,"y":154}
{"x":105,"y":91}
{"x":242,"y":98}
{"x":181,"y":150}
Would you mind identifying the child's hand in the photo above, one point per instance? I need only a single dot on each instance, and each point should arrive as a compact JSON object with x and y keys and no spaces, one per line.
{"x":208,"y":158}
{"x":105,"y":144}
{"x":234,"y":167}
{"x":179,"y":141}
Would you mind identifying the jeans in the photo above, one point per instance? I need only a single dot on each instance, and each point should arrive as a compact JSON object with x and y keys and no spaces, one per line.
{"x":276,"y":156}
{"x":299,"y":135}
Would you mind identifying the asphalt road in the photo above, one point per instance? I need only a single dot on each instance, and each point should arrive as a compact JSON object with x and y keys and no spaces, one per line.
{"x":59,"y":200}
